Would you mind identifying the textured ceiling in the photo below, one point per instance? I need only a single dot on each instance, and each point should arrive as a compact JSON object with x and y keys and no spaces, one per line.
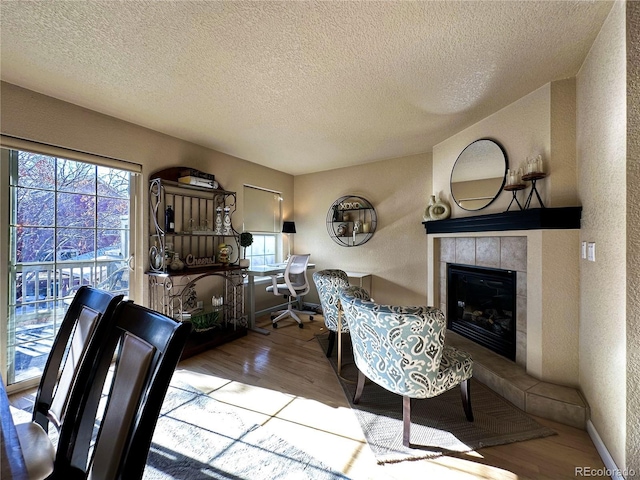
{"x":297,"y":86}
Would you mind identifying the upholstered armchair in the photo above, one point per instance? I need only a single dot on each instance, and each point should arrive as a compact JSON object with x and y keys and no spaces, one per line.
{"x":403,"y":350}
{"x":329,"y":284}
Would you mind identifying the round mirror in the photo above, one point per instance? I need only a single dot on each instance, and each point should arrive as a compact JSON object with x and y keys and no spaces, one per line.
{"x":478,"y":174}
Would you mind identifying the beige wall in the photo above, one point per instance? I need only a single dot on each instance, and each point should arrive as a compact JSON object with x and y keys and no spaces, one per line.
{"x":36,"y":117}
{"x":633,"y":236}
{"x":542,"y":122}
{"x":601,"y":157}
{"x":396,"y":254}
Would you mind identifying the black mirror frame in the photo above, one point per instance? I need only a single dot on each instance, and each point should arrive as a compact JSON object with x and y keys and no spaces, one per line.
{"x":504,"y":176}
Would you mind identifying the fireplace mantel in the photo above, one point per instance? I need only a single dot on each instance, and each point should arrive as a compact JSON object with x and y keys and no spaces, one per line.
{"x":531,"y":219}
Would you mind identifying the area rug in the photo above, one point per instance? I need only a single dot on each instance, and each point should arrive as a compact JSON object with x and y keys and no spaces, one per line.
{"x":438,"y":425}
{"x":197,"y":437}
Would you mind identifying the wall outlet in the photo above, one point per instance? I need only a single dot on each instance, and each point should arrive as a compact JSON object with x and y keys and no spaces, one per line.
{"x":591,"y":251}
{"x":584,"y":250}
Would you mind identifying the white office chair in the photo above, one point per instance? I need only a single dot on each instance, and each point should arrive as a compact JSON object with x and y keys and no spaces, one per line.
{"x":295,"y":285}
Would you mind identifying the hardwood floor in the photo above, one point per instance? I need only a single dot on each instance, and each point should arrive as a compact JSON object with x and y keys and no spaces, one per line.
{"x":285,"y":380}
{"x":317,"y":417}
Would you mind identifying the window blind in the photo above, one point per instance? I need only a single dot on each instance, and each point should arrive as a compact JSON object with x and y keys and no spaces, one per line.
{"x":16,"y":143}
{"x":262,"y":210}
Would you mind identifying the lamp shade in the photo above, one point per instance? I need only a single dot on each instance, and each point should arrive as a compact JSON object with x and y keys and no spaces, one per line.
{"x":288,"y":227}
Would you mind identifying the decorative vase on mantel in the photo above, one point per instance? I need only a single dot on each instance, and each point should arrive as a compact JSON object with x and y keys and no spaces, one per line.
{"x":439,"y":209}
{"x":427,"y":216}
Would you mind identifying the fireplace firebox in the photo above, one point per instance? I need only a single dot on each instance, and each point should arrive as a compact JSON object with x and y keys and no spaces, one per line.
{"x":481,"y":305}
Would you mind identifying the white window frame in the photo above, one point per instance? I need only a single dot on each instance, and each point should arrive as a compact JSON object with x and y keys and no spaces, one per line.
{"x":136,"y":217}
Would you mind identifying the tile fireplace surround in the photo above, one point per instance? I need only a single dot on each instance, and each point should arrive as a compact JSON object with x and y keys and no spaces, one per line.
{"x":545,"y":257}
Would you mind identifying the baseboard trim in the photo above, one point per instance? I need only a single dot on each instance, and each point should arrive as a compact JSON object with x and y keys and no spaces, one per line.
{"x":607,"y":459}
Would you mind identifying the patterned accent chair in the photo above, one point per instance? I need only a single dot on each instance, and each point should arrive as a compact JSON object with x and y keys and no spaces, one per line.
{"x":329,"y":284}
{"x":402,"y":349}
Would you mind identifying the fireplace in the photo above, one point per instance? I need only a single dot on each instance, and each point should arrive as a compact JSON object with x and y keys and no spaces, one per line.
{"x":481,"y":305}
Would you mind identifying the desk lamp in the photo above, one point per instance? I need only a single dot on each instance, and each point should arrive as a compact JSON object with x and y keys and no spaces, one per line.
{"x":289,"y":228}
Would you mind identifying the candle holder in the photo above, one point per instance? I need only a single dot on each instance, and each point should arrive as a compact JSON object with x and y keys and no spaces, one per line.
{"x":514,"y":189}
{"x":533,"y":178}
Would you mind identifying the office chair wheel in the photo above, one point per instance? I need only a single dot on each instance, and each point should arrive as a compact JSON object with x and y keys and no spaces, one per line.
{"x":275,"y":325}
{"x":300,"y":325}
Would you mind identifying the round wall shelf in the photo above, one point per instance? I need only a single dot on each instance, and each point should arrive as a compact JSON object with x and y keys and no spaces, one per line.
{"x":351,"y":221}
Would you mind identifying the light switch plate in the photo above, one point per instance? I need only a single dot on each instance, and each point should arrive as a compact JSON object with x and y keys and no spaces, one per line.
{"x":591,"y":251}
{"x":584,"y":250}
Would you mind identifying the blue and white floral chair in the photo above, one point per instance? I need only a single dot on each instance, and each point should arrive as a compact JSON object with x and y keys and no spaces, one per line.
{"x":402,"y":349}
{"x":329,"y":284}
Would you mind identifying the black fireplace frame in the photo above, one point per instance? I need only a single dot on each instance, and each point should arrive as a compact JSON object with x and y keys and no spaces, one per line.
{"x":497,"y":343}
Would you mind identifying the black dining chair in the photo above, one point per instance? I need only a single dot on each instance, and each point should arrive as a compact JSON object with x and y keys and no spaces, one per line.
{"x":147,"y":347}
{"x":84,"y":324}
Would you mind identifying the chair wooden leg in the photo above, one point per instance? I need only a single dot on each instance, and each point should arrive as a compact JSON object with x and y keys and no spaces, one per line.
{"x":406,"y":420}
{"x":359,"y":387}
{"x":465,"y":390}
{"x":332,"y":340}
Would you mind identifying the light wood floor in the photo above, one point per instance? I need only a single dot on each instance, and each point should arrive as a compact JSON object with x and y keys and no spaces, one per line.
{"x":286,"y":376}
{"x":285,"y":382}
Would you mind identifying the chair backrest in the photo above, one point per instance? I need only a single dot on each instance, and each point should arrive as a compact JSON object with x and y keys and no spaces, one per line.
{"x":295,"y":275}
{"x":329,"y":284}
{"x":82,"y":324}
{"x":397,"y":347}
{"x":148,"y":346}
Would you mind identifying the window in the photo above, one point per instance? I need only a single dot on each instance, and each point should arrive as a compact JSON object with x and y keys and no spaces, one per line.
{"x":263,"y":250}
{"x":69,"y":225}
{"x":263,"y":218}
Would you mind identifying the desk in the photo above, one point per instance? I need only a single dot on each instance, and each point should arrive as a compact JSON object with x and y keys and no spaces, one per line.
{"x":11,"y":460}
{"x":262,"y":271}
{"x":361,"y":276}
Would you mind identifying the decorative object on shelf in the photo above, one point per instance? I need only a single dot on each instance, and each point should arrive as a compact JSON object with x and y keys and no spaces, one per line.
{"x":432,"y":201}
{"x":226,"y":222}
{"x":533,"y":178}
{"x":217,"y":301}
{"x":478,"y":175}
{"x":534,"y":165}
{"x":156,"y":260}
{"x":246,"y":239}
{"x":169,"y":220}
{"x":191,"y":176}
{"x":439,"y":210}
{"x":532,"y":171}
{"x":197,"y":262}
{"x":514,"y":185}
{"x":205,"y":321}
{"x":224,"y":253}
{"x":289,"y":228}
{"x":357,"y":226}
{"x":176,"y":263}
{"x":351,"y":221}
{"x":218,"y":223}
{"x":336,"y":213}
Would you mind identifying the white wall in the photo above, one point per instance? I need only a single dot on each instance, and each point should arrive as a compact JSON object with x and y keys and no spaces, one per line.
{"x":602,"y":158}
